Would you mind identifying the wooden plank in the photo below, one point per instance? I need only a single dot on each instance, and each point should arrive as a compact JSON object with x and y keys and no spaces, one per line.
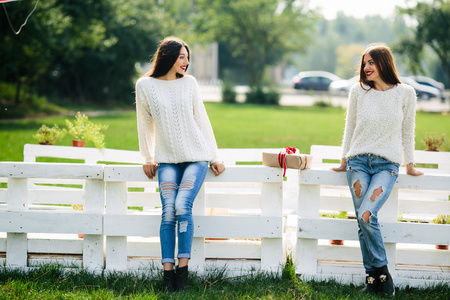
{"x":397,"y":232}
{"x":232,"y":174}
{"x":205,"y":226}
{"x":50,"y":170}
{"x":50,"y":245}
{"x":438,"y":182}
{"x":51,"y":222}
{"x":60,"y":196}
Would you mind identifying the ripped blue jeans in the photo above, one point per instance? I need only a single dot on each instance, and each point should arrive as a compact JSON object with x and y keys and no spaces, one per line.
{"x":371,"y":179}
{"x":178,"y":186}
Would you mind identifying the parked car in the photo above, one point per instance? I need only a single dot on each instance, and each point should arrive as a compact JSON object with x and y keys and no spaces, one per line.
{"x":424,"y":92}
{"x":342,"y":87}
{"x":430,"y":82}
{"x":314,"y":80}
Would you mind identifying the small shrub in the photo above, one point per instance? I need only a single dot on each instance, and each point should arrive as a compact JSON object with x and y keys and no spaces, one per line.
{"x":49,"y":135}
{"x":433,"y":143}
{"x":84,"y":130}
{"x":228,"y":92}
{"x":259,"y":96}
{"x":441,"y":219}
{"x":322,"y":103}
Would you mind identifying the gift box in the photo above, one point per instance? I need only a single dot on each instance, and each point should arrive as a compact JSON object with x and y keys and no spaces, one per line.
{"x":284,"y":160}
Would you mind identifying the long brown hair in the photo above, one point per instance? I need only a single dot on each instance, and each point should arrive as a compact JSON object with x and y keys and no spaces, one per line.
{"x":166,"y":55}
{"x":384,"y":60}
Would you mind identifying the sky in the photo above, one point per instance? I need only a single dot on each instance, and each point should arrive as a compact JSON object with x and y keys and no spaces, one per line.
{"x":359,"y":8}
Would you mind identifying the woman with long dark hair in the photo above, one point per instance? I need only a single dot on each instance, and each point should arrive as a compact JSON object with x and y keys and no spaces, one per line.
{"x":378,"y":137}
{"x":177,"y":141}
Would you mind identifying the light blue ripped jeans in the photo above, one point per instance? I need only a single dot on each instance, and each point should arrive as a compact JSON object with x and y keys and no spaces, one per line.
{"x":371,"y":179}
{"x":178,"y":186}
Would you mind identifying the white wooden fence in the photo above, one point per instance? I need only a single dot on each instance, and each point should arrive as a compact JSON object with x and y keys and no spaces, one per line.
{"x":239,"y":216}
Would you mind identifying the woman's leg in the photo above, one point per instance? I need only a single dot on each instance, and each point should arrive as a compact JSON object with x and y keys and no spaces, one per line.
{"x":378,"y":192}
{"x":169,"y":176}
{"x":358,"y":177}
{"x":191,"y":182}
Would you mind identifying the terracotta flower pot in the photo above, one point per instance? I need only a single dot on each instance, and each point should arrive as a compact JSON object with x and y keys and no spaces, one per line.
{"x":80,"y":235}
{"x":337,"y":242}
{"x":76,"y":143}
{"x":441,"y":247}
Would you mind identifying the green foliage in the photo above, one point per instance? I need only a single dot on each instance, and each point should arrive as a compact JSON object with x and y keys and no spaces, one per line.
{"x":441,"y":219}
{"x":229,"y":94}
{"x":288,"y":271}
{"x":322,"y":103}
{"x":84,"y":130}
{"x":432,"y":30}
{"x":49,"y":135}
{"x":263,"y":31}
{"x":433,"y":143}
{"x":261,"y":96}
{"x":29,"y":103}
{"x":82,"y":51}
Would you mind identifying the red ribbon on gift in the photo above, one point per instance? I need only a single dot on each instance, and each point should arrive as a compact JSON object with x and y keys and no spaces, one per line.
{"x":282,"y":157}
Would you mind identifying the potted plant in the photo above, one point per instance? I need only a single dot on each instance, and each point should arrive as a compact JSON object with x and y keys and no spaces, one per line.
{"x":49,"y":135}
{"x":83,"y":130}
{"x":432,"y":143}
{"x":441,"y":219}
{"x":336,"y":215}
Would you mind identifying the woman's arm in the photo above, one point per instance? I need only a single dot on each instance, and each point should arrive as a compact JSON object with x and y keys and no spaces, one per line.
{"x":408,"y":128}
{"x":145,"y":124}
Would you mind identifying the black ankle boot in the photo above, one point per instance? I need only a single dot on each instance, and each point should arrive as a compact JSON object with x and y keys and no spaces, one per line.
{"x":169,"y":280}
{"x":181,"y":278}
{"x":372,"y":283}
{"x":386,"y":282}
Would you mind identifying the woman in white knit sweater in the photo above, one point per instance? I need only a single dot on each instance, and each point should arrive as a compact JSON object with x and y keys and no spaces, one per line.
{"x":177,"y":141}
{"x":378,"y":137}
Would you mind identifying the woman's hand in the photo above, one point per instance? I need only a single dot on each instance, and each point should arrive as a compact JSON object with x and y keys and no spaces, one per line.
{"x":410,"y":170}
{"x":150,"y":169}
{"x":342,"y":167}
{"x":218,"y":168}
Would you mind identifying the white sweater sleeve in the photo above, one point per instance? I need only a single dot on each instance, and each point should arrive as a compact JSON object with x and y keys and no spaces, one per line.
{"x":202,"y":120}
{"x":350,"y":121}
{"x":408,"y":126}
{"x":145,"y":125}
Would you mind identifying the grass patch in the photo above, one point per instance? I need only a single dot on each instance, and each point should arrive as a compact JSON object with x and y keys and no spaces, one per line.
{"x":54,"y":282}
{"x":235,"y":126}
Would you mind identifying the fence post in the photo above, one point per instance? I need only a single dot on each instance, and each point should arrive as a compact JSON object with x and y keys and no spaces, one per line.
{"x":308,"y":207}
{"x":116,"y":246}
{"x":94,"y":203}
{"x":388,"y":213}
{"x":272,"y":252}
{"x":17,"y":243}
{"x":198,"y":243}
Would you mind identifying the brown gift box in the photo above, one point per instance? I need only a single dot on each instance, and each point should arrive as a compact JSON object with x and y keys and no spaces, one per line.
{"x":293,"y":161}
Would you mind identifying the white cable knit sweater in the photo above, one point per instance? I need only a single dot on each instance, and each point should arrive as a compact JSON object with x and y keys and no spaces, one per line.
{"x":381,"y":123}
{"x":173,"y":125}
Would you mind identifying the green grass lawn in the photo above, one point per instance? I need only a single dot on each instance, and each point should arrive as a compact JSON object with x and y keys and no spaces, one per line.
{"x":52,"y":282}
{"x":235,"y":126}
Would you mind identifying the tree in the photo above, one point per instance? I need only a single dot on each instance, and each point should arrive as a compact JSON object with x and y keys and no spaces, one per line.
{"x":432,"y":30}
{"x":263,"y":31}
